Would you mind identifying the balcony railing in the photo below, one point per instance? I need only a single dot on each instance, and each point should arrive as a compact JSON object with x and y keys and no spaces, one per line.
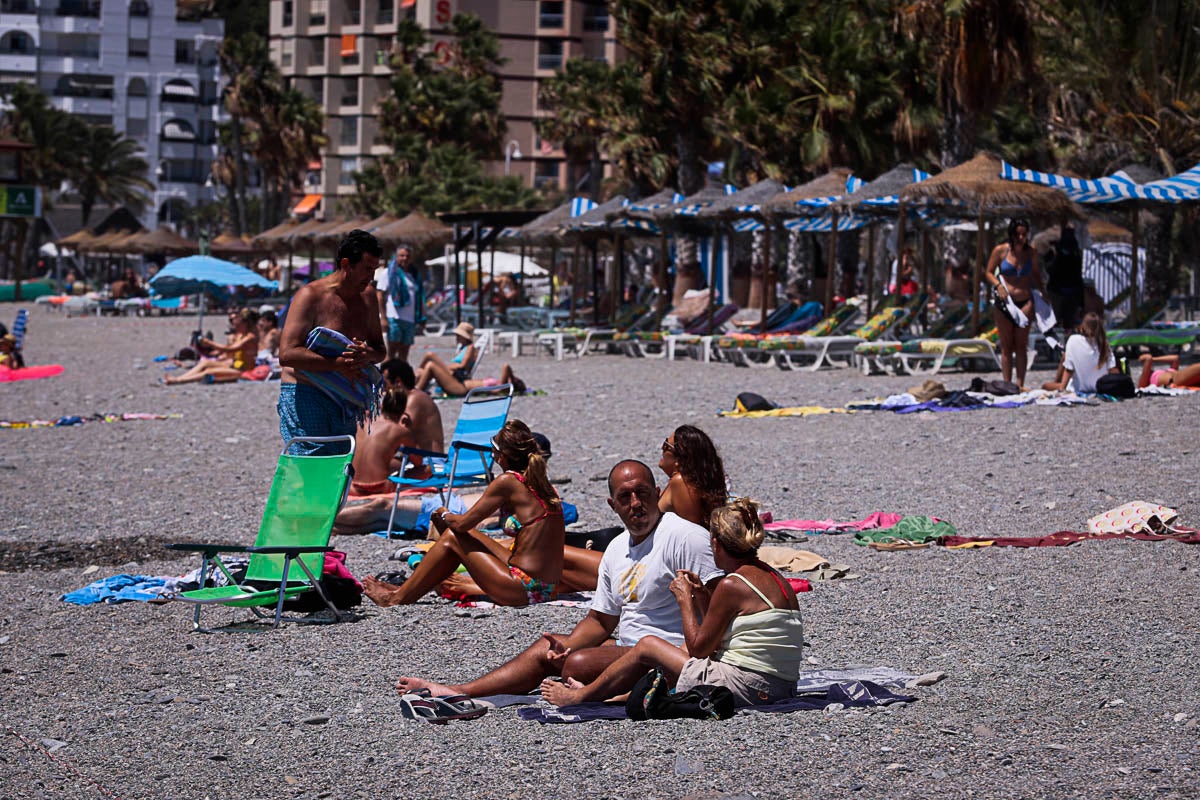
{"x":18,"y":7}
{"x":77,"y":8}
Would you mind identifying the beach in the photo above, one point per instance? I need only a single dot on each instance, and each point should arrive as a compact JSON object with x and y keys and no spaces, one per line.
{"x":1067,"y":669}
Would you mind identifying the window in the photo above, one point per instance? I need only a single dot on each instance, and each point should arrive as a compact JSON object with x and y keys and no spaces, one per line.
{"x":139,"y":8}
{"x":545,"y":174}
{"x":135,"y":128}
{"x":318,"y":52}
{"x":349,"y":48}
{"x":17,"y":43}
{"x":289,"y":14}
{"x":550,"y":14}
{"x":139,"y":48}
{"x":386,"y":14}
{"x":78,"y":8}
{"x":317,"y":11}
{"x":353,"y":12}
{"x":285,"y":58}
{"x":595,"y":17}
{"x":349,"y":131}
{"x":550,"y":54}
{"x":178,"y":130}
{"x":179,"y":91}
{"x":349,"y":167}
{"x":18,"y":7}
{"x":184,"y":52}
{"x":137,"y":87}
{"x":350,"y":91}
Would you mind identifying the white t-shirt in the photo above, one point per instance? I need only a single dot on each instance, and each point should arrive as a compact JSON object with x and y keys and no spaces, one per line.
{"x":634,"y":579}
{"x":409,"y":312}
{"x":1081,"y":358}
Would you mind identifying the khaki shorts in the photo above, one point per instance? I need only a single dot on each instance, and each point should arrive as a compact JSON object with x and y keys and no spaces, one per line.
{"x":749,"y":688}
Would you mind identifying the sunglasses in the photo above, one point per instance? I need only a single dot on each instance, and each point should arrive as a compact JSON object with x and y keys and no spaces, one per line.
{"x":667,"y":447}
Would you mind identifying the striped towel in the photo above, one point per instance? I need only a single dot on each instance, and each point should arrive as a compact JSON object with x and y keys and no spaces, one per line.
{"x":358,"y":398}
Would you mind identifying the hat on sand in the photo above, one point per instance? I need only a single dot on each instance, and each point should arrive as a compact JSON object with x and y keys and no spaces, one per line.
{"x":928,"y":391}
{"x":465,"y":330}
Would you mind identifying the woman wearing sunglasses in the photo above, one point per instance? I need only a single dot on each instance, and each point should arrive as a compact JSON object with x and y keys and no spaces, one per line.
{"x":696,"y":476}
{"x":232,"y":358}
{"x":522,"y":574}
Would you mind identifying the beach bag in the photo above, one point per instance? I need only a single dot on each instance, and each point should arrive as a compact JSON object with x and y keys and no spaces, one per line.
{"x":997,"y":387}
{"x":1116,"y":386}
{"x":749,"y":401}
{"x":652,"y":698}
{"x":1135,"y":517}
{"x":340,"y":586}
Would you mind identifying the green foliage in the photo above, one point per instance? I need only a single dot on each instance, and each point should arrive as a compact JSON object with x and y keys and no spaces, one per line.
{"x":110,"y":168}
{"x":441,"y":121}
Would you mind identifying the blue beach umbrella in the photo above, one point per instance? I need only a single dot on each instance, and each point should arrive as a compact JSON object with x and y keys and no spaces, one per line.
{"x":200,"y":274}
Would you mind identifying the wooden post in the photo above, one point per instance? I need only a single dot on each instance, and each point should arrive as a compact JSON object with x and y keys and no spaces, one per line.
{"x":458,"y":298}
{"x":19,"y":257}
{"x":766,"y":270}
{"x":595,"y":284}
{"x":521,"y":285}
{"x":620,"y":272}
{"x":832,"y":264}
{"x":978,"y":278}
{"x":574,"y":280}
{"x":712,"y":279}
{"x":1133,"y":269}
{"x":870,"y":269}
{"x":553,"y":274}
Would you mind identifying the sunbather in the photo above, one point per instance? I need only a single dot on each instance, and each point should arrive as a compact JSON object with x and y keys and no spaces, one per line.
{"x":236,"y":356}
{"x":1013,"y":273}
{"x":1170,"y":378}
{"x":268,"y":335}
{"x":424,"y":419}
{"x":695,"y":475}
{"x":8,"y":351}
{"x":632,"y":598}
{"x":746,"y":635}
{"x":1087,"y":356}
{"x":524,"y":575}
{"x":376,"y":445}
{"x":455,"y":376}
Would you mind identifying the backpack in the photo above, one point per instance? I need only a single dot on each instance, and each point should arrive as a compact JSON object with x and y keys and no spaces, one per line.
{"x":652,"y":698}
{"x":1116,"y":386}
{"x":749,"y":401}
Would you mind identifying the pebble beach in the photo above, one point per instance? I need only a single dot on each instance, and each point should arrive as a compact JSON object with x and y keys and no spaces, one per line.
{"x":1068,"y":670}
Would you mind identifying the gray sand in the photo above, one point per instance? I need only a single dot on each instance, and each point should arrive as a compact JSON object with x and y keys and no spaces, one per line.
{"x":1070,"y":670}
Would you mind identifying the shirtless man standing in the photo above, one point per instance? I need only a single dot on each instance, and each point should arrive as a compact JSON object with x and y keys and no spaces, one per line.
{"x":425,"y":421}
{"x":342,"y":302}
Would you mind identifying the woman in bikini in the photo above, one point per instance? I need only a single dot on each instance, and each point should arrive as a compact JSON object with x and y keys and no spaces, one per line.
{"x":234,"y":357}
{"x":454,"y":376}
{"x":746,"y":636}
{"x":695,"y":475}
{"x":1013,"y":272}
{"x":1170,"y":376}
{"x":526,"y":574}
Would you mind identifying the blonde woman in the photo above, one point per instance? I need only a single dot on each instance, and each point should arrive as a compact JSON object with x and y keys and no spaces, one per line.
{"x":747,"y":635}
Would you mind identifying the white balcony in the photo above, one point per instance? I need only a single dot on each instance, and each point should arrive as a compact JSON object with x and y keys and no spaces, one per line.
{"x":19,"y":62}
{"x":84,"y":105}
{"x":55,"y":23}
{"x":52,"y":64}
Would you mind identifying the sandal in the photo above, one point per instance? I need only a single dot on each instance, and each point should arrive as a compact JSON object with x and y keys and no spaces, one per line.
{"x":457,"y":706}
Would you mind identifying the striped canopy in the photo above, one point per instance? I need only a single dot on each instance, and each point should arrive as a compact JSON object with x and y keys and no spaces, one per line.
{"x":1116,"y":188}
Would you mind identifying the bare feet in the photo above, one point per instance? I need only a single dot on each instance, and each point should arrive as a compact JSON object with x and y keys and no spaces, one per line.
{"x":381,"y":594}
{"x":459,"y":584}
{"x":406,"y":684}
{"x":563,"y":693}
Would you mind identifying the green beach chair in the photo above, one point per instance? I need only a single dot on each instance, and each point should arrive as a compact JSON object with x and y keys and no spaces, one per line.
{"x":306,"y":494}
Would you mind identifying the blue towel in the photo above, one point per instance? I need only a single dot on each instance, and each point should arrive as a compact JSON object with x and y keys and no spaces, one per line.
{"x":358,"y":398}
{"x":118,"y":589}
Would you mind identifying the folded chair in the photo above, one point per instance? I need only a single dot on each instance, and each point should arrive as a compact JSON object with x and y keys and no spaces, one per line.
{"x":468,"y":460}
{"x":306,"y":494}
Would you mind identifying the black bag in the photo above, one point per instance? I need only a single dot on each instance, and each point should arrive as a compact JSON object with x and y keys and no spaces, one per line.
{"x":998,"y":388}
{"x":1116,"y":386}
{"x":749,"y":401}
{"x":651,"y":698}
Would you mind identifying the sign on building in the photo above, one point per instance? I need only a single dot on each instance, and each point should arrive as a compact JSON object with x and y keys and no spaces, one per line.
{"x":20,"y":201}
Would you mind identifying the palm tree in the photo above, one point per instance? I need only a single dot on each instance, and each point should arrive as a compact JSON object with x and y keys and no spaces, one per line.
{"x":110,"y":168}
{"x":57,"y":136}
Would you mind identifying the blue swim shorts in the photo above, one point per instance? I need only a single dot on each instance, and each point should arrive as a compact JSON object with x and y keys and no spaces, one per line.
{"x":401,"y":332}
{"x":307,"y":411}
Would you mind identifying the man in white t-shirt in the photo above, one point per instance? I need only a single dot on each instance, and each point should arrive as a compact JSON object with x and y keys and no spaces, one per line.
{"x":398,"y":305}
{"x":633,"y":597}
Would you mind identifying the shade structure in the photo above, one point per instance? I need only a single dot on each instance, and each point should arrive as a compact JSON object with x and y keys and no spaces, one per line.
{"x":509,"y":263}
{"x":812,"y":197}
{"x":298,"y":235}
{"x":229,"y":246}
{"x":693,"y":205}
{"x":76,"y":240}
{"x":548,"y":227}
{"x":113,"y":242}
{"x":596,"y":219}
{"x":746,"y":203}
{"x":195,"y":274}
{"x":416,"y":229}
{"x":319,"y":236}
{"x":645,"y":208}
{"x":882,"y":195}
{"x":1100,"y":231}
{"x":331,"y":235}
{"x":273,"y":238}
{"x":164,"y":240}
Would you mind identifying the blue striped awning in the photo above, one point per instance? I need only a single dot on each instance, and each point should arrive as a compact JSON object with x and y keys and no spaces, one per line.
{"x":853,"y":184}
{"x":644,"y":207}
{"x":1115,"y":188}
{"x":892,"y":201}
{"x":581,"y":205}
{"x":824,"y":223}
{"x":1184,"y":186}
{"x":693,"y":209}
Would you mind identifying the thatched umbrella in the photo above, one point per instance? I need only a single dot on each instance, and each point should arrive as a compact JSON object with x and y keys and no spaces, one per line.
{"x":810,"y":200}
{"x":164,"y":241}
{"x":273,"y":238}
{"x":228,"y":246}
{"x":975,"y":189}
{"x":415,"y":229}
{"x":881,"y":197}
{"x":547,"y":228}
{"x":77,"y":240}
{"x":589,"y":228}
{"x":740,"y":205}
{"x":332,"y":235}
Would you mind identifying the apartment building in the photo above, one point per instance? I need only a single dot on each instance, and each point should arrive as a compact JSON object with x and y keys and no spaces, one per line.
{"x":133,"y":65}
{"x":336,"y":51}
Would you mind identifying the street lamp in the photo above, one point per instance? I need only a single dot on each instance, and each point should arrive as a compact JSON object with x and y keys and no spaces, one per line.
{"x":511,"y":151}
{"x":163,"y":173}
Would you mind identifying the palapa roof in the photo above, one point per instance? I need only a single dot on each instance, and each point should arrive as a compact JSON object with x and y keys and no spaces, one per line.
{"x":273,"y":237}
{"x":548,"y":226}
{"x":76,"y":240}
{"x":111,"y":242}
{"x":888,"y":184}
{"x":163,"y":240}
{"x":976,"y":189}
{"x":1099,"y":230}
{"x":831,"y":184}
{"x":596,"y":220}
{"x":299,"y":235}
{"x":228,"y":244}
{"x":725,"y":206}
{"x":333,"y":234}
{"x":416,"y":229}
{"x":703,"y":198}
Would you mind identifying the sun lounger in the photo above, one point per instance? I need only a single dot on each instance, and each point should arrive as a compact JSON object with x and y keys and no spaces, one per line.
{"x":811,"y":352}
{"x":306,"y":494}
{"x":741,"y":348}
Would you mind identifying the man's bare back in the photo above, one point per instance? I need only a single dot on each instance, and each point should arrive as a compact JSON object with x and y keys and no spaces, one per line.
{"x":375,"y":449}
{"x":426,"y":421}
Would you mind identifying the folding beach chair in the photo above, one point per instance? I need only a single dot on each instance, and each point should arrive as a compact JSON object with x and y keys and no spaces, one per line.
{"x":468,"y":460}
{"x":18,"y":332}
{"x":812,"y":352}
{"x":306,"y":494}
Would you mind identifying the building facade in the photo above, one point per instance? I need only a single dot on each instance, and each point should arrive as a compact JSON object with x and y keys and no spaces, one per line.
{"x":133,"y":65}
{"x":336,"y":51}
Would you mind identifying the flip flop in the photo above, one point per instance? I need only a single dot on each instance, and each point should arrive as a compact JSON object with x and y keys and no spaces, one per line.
{"x":414,"y":706}
{"x":455,"y":707}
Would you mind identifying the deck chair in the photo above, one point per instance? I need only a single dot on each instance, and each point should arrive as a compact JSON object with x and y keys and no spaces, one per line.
{"x":306,"y":494}
{"x":468,"y":460}
{"x":741,"y":348}
{"x":696,"y":340}
{"x":20,"y":323}
{"x":884,"y":356}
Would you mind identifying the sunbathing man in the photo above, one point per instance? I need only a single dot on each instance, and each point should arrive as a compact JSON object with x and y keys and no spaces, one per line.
{"x":633,"y":597}
{"x":424,"y":419}
{"x":330,"y":343}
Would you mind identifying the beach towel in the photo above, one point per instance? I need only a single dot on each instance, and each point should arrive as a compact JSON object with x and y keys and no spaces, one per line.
{"x":913,"y":530}
{"x":71,"y":420}
{"x":1134,"y":517}
{"x":359,"y":397}
{"x":1065,"y":538}
{"x":793,"y":411}
{"x":879,"y":519}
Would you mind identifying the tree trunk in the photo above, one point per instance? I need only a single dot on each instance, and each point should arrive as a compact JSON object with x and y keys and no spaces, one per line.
{"x":238,"y":207}
{"x":1161,"y":271}
{"x":959,"y":132}
{"x":691,"y":170}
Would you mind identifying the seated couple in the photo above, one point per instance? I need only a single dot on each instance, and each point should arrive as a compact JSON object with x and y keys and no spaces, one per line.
{"x":701,"y":608}
{"x":454,"y":376}
{"x":228,"y":360}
